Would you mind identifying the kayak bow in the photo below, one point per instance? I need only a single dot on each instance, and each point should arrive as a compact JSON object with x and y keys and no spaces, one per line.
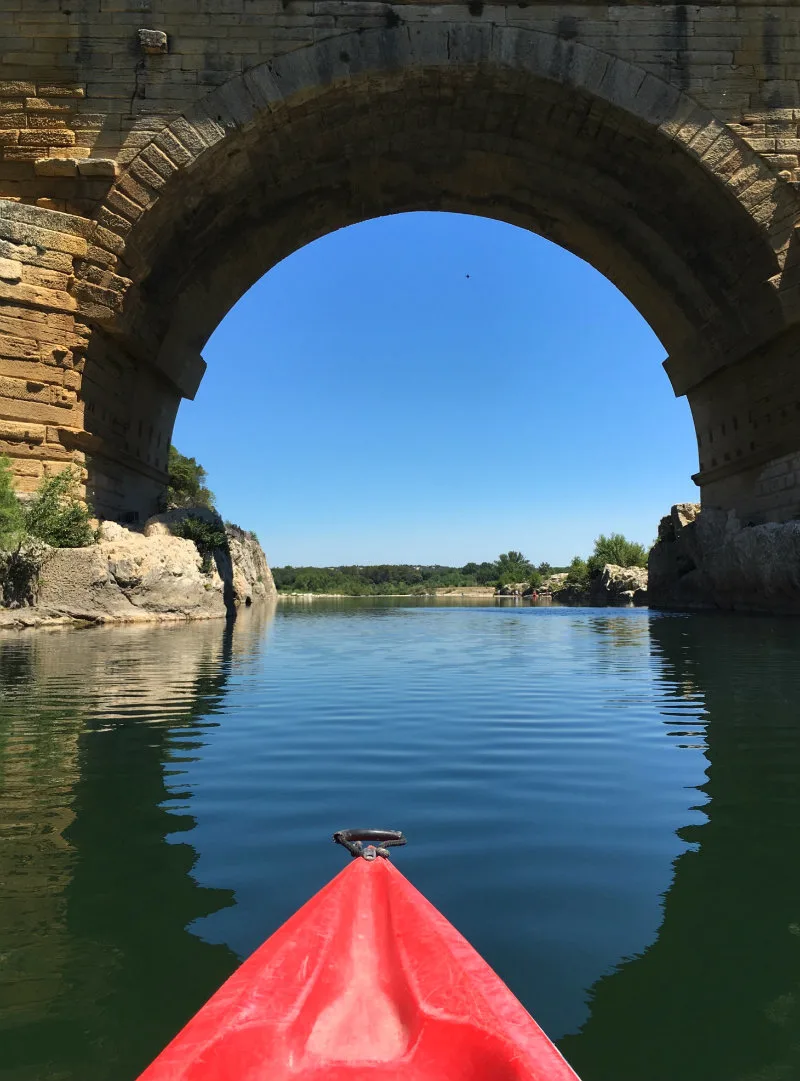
{"x":366,"y":980}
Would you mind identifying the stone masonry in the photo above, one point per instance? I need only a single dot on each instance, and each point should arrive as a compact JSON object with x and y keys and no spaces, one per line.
{"x":158,"y":156}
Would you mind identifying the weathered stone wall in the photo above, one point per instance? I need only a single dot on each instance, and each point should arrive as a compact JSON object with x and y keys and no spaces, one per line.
{"x":79,"y":82}
{"x":158,"y":156}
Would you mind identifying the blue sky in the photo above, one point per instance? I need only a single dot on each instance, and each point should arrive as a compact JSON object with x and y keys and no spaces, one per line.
{"x":437,"y":388}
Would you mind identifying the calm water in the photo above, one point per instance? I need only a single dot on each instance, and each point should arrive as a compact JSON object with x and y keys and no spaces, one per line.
{"x":605,"y":802}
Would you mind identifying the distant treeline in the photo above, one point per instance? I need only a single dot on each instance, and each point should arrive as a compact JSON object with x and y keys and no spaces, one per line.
{"x":387,"y":578}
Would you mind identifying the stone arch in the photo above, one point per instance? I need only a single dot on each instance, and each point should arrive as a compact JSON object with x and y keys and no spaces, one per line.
{"x":600,"y":156}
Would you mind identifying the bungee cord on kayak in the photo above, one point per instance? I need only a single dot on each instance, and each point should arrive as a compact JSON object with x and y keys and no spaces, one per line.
{"x":378,"y":842}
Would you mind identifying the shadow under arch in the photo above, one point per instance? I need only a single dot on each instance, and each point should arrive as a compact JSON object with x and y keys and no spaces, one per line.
{"x":717,"y":996}
{"x":599,"y":156}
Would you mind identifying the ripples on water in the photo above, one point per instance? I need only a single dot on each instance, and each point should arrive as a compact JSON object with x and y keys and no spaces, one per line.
{"x":605,"y":802}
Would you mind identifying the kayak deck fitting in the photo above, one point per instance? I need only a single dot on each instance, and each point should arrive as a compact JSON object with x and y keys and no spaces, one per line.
{"x":366,"y":980}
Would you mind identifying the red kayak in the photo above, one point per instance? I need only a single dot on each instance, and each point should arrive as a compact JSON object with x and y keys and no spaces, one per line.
{"x":367,"y":980}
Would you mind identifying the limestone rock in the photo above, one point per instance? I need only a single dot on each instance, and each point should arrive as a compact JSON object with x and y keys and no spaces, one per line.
{"x":713,"y":561}
{"x":613,"y":587}
{"x":164,"y":524}
{"x":252,"y":577}
{"x":621,"y":582}
{"x":514,"y":589}
{"x":129,"y":576}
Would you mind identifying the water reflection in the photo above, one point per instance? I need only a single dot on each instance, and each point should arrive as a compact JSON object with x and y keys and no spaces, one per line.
{"x":540,"y":747}
{"x":95,"y":893}
{"x":717,"y":995}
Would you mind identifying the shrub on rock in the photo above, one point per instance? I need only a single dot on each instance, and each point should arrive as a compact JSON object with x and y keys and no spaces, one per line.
{"x":10,"y":510}
{"x":56,"y":514}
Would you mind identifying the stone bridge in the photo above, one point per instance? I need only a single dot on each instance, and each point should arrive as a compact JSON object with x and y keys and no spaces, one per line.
{"x":158,"y":156}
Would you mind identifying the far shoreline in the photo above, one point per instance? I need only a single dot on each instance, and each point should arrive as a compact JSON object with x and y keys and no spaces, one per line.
{"x":367,"y":596}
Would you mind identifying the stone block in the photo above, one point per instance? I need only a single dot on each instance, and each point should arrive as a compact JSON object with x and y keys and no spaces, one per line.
{"x":56,"y":167}
{"x":46,"y":122}
{"x":73,"y":152}
{"x":19,"y":350}
{"x":173,"y":149}
{"x":100,"y":302}
{"x":22,"y":232}
{"x":41,"y":373}
{"x":65,"y":223}
{"x":50,"y":279}
{"x":123,"y":206}
{"x":98,"y":257}
{"x":157,"y":161}
{"x":24,"y":390}
{"x":41,"y":105}
{"x":16,"y":89}
{"x":141,"y":172}
{"x":21,"y":153}
{"x":37,"y":297}
{"x":113,"y":222}
{"x":22,"y":467}
{"x":106,"y":280}
{"x":153,"y":42}
{"x":47,"y":137}
{"x":111,"y":242}
{"x":14,"y":432}
{"x":50,"y":90}
{"x":10,"y":270}
{"x":106,"y":167}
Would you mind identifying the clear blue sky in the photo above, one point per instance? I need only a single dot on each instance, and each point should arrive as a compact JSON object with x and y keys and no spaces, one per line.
{"x":436,"y":388}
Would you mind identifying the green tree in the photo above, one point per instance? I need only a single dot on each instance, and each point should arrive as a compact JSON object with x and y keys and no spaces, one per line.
{"x":187,"y":482}
{"x":486,"y":573}
{"x":56,"y":513}
{"x":544,"y":569}
{"x":616,"y":549}
{"x":11,"y":520}
{"x":578,"y":572}
{"x":208,"y":538}
{"x":512,"y":567}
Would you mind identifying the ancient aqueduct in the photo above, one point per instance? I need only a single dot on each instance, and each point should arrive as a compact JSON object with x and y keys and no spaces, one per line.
{"x":158,"y":156}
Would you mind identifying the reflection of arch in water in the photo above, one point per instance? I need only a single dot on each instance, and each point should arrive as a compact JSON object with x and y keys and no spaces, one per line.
{"x":717,"y":996}
{"x":118,"y":972}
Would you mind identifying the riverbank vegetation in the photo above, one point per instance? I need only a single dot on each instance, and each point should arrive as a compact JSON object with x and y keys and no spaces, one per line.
{"x":510,"y":568}
{"x":384,"y":579}
{"x":615,"y":549}
{"x":53,"y":517}
{"x":187,"y":482}
{"x":55,"y":514}
{"x":209,"y":537}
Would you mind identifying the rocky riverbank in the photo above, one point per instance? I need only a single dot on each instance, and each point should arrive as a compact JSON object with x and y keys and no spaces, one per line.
{"x":132,"y":576}
{"x":615,"y":587}
{"x":711,"y":560}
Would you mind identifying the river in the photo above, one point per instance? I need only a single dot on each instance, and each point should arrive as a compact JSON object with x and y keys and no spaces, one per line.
{"x":605,"y":802}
